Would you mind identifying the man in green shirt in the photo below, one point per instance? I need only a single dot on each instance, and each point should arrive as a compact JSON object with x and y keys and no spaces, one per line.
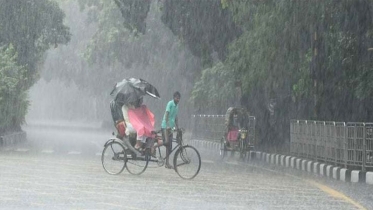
{"x":169,"y":121}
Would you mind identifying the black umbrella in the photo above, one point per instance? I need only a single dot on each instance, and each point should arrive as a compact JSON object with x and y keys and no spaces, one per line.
{"x":130,"y":91}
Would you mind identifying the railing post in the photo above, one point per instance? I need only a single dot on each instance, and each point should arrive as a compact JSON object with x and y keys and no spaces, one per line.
{"x":317,"y":139}
{"x":364,"y":149}
{"x":334,"y":145}
{"x":345,"y":128}
{"x":324,"y":131}
{"x":304,"y":148}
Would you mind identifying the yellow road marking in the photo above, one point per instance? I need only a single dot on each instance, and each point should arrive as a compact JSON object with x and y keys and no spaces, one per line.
{"x":336,"y":194}
{"x":322,"y":187}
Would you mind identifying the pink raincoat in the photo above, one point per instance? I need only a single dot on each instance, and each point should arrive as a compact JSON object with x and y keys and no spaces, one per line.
{"x":142,"y":120}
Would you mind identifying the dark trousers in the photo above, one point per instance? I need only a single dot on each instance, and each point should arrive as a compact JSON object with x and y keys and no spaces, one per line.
{"x":167,"y":142}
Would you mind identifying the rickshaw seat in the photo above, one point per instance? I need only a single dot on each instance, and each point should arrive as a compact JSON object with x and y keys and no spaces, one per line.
{"x":232,"y":134}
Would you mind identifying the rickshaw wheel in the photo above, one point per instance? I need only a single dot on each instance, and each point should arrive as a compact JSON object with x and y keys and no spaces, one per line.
{"x":223,"y":148}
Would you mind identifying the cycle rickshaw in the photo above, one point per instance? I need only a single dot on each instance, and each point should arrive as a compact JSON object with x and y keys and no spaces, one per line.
{"x":119,"y":151}
{"x":120,"y":154}
{"x":239,"y":135}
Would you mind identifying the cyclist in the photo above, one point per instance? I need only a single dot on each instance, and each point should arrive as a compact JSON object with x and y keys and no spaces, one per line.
{"x":169,"y":121}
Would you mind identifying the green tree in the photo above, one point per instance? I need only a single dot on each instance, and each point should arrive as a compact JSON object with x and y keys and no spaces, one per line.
{"x":27,"y":30}
{"x":307,"y":57}
{"x":32,"y":27}
{"x":205,"y":26}
{"x":13,"y":102}
{"x":134,"y":12}
{"x":215,"y":90}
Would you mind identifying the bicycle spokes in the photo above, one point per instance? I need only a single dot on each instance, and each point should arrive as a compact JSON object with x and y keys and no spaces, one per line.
{"x":113,"y":158}
{"x":187,"y":162}
{"x":137,"y":165}
{"x":184,"y":156}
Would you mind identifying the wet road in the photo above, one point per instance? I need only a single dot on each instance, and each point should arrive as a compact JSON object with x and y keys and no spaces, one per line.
{"x":60,"y":168}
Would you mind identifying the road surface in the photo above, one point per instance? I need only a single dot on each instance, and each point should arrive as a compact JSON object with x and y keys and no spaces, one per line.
{"x":60,"y":168}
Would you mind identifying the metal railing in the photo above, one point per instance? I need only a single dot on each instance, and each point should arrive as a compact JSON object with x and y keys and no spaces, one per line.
{"x":212,"y":127}
{"x":339,"y":143}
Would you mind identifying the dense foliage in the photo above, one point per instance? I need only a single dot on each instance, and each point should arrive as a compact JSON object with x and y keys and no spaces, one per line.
{"x":203,"y":25}
{"x":27,"y":30}
{"x":134,"y":12}
{"x":216,"y":86}
{"x":295,"y":59}
{"x":13,"y":103}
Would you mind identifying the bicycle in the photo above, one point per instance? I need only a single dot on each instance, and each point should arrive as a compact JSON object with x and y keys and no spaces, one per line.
{"x":123,"y":155}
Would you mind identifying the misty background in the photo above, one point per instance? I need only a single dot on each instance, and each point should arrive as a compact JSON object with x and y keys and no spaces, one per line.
{"x":67,"y":90}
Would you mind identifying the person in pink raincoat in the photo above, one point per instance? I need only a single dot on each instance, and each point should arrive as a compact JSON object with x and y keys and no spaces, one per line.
{"x":142,"y":121}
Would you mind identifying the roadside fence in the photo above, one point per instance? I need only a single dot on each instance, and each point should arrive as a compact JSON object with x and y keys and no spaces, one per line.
{"x":346,"y":144}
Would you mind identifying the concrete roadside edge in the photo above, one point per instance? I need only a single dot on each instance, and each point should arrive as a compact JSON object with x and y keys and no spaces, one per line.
{"x":322,"y":169}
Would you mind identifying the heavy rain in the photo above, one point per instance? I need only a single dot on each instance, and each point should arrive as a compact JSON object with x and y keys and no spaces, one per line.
{"x":186,"y":104}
